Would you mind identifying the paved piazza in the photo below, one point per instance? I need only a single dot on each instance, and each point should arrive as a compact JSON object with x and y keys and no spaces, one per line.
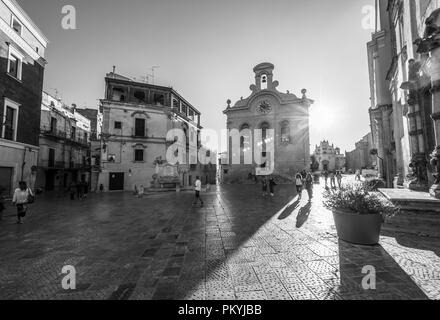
{"x":239,"y":246}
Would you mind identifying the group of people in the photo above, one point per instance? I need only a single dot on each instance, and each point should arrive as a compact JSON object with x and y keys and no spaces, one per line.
{"x":79,"y":189}
{"x":334,"y":177}
{"x":304,"y":180}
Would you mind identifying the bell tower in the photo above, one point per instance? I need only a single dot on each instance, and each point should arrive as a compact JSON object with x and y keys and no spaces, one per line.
{"x":264,"y":76}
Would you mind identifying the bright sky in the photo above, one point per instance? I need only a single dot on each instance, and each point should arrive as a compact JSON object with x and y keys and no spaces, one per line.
{"x":206,"y":50}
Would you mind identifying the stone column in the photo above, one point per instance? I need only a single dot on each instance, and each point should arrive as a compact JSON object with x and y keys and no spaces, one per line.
{"x":435,"y":156}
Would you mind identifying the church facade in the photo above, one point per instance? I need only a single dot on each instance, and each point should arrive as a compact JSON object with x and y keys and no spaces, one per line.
{"x":271,"y":122}
{"x":329,"y":157}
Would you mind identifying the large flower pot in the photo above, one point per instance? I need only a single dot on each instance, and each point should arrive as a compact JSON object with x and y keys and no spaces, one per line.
{"x":363,"y":229}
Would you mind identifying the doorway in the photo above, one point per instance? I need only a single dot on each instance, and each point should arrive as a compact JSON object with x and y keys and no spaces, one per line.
{"x":50,"y":180}
{"x":6,"y":180}
{"x":116,"y":181}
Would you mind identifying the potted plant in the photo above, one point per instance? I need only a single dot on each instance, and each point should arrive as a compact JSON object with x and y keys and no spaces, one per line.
{"x":358,"y":213}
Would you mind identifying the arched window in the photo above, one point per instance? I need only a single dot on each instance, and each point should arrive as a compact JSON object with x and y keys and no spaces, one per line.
{"x":285,"y":132}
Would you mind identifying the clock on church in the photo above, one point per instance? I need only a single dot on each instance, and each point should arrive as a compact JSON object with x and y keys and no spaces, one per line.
{"x":265,"y":107}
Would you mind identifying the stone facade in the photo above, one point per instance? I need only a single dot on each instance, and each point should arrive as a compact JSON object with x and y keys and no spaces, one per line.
{"x":329,"y":157}
{"x":136,"y":120}
{"x":64,"y":154}
{"x":268,"y":109}
{"x":404,"y":118}
{"x":22,"y":64}
{"x":361,"y":158}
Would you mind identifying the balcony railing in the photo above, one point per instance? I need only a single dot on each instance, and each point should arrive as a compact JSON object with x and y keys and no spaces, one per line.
{"x":53,"y":132}
{"x":60,"y":134}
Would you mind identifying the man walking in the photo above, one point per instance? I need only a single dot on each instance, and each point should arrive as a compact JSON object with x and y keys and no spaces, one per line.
{"x":339,"y":178}
{"x":309,"y":186}
{"x":325,"y":174}
{"x":332,"y":180}
{"x":198,"y":189}
{"x":272,"y":185}
{"x":299,"y":185}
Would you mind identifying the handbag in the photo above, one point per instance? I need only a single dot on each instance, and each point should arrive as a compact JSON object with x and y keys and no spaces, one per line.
{"x":30,"y":197}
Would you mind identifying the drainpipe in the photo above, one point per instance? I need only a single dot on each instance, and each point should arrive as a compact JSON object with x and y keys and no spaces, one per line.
{"x":23,"y":164}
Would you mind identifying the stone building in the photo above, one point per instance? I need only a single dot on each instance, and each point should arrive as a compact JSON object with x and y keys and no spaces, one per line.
{"x":64,"y":154}
{"x":137,"y":118}
{"x":329,"y":157}
{"x":22,"y":64}
{"x":361,"y":158}
{"x":268,"y":109}
{"x":95,"y":117}
{"x":404,"y":63}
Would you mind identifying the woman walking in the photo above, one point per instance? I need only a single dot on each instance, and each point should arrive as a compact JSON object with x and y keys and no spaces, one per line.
{"x":309,"y":186}
{"x":21,"y":199}
{"x":299,"y":185}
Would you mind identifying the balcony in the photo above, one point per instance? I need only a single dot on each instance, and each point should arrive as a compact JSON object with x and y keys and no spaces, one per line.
{"x":49,"y":164}
{"x":50,"y":132}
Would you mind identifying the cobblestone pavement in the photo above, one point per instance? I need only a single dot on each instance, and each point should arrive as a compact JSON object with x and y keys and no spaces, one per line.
{"x":239,"y":246}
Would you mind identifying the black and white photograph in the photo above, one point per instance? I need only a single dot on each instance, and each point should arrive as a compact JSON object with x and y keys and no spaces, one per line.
{"x":220,"y":156}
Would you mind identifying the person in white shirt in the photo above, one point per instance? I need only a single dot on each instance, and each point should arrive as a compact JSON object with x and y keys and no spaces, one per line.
{"x":198,"y":189}
{"x":21,"y":199}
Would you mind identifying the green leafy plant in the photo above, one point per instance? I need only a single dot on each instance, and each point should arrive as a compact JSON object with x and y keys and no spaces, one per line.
{"x":357,"y":198}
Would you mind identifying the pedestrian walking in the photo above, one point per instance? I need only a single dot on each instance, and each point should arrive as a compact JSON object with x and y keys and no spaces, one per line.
{"x":299,"y":185}
{"x":86,"y":189}
{"x":325,"y":174}
{"x":141,"y":191}
{"x":198,"y":189}
{"x":309,"y":186}
{"x":272,"y":185}
{"x":264,"y":182}
{"x":339,"y":178}
{"x":80,"y":190}
{"x":332,"y":180}
{"x":22,"y":197}
{"x":358,"y":175}
{"x":73,"y":190}
{"x":101,"y":188}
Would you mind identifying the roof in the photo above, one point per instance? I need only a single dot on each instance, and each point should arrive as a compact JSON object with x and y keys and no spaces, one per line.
{"x":114,"y":76}
{"x":28,"y":19}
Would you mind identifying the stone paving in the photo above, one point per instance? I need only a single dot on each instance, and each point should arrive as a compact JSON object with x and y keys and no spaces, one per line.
{"x":239,"y":246}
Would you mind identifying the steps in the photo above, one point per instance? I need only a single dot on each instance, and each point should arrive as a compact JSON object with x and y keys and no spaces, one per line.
{"x":420,"y":213}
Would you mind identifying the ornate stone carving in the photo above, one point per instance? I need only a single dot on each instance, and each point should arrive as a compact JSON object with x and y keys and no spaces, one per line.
{"x":419,"y":174}
{"x":435,"y":163}
{"x":431,"y":39}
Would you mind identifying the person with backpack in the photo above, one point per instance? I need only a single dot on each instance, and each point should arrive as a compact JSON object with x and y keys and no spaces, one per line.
{"x":22,"y":197}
